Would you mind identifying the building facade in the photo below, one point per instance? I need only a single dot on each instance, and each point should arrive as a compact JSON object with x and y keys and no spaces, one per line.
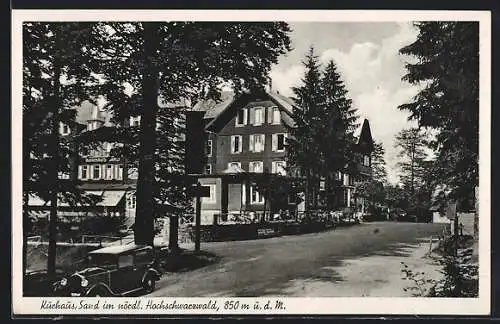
{"x":96,"y":170}
{"x":246,"y":165}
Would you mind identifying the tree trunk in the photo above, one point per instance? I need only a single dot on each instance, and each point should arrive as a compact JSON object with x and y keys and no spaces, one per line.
{"x":144,"y":219}
{"x":51,"y":259}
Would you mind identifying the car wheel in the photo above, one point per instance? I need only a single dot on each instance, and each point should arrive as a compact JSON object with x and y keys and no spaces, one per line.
{"x":149,"y":284}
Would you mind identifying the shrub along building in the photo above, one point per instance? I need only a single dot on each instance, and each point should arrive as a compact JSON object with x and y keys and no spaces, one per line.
{"x":246,"y":160}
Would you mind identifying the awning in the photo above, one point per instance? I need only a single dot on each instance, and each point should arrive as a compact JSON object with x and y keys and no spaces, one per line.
{"x":110,"y":198}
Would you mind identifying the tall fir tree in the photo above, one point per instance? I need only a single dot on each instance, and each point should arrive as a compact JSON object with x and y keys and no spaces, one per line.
{"x":339,"y":121}
{"x":447,"y":64}
{"x":58,"y":73}
{"x":303,"y":144}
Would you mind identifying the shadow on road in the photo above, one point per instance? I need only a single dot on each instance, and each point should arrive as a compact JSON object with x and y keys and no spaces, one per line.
{"x":398,"y":249}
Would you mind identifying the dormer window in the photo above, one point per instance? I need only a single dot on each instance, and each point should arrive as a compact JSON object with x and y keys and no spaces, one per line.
{"x":274,"y":116}
{"x":258,"y":116}
{"x":241,"y":118}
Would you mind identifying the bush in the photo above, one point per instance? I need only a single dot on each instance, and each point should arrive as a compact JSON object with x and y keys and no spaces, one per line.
{"x":461,"y":277}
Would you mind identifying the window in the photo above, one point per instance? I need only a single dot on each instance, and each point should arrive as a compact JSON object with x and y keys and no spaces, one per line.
{"x":144,"y":257}
{"x":131,"y":201}
{"x":274,"y":115}
{"x":208,"y":169}
{"x":258,"y":116}
{"x":109,"y":172}
{"x":255,"y":196}
{"x":83,"y":172}
{"x":256,"y":166}
{"x":339,"y":175}
{"x":241,"y":117}
{"x":212,"y":198}
{"x":96,"y":173}
{"x":64,"y":129}
{"x":236,"y":144}
{"x":278,"y":167}
{"x":63,"y":175}
{"x":346,"y":179}
{"x":119,"y":172}
{"x":135,"y":121}
{"x":234,"y":164}
{"x":257,"y":142}
{"x":366,"y":160}
{"x":279,"y":142}
{"x":208,"y":149}
{"x":125,"y":261}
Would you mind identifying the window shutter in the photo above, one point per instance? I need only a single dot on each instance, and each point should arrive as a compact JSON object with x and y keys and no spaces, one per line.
{"x":232,"y":144}
{"x":273,"y":167}
{"x":245,"y":116}
{"x":80,"y":171}
{"x":275,"y":142}
{"x":252,"y":143}
{"x":270,"y":115}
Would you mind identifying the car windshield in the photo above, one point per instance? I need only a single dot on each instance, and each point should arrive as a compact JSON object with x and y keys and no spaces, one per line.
{"x":102,"y":260}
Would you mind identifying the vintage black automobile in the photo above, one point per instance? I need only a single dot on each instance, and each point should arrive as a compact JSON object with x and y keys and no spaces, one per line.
{"x":120,"y":270}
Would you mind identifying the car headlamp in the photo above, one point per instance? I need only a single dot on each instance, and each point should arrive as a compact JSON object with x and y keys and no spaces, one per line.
{"x":84,"y":282}
{"x":64,"y":282}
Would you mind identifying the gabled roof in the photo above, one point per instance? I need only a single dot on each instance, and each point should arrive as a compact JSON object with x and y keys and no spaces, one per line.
{"x":215,"y":109}
{"x":283,"y":101}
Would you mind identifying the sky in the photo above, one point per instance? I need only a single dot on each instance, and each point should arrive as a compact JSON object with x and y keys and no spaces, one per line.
{"x":367,"y":57}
